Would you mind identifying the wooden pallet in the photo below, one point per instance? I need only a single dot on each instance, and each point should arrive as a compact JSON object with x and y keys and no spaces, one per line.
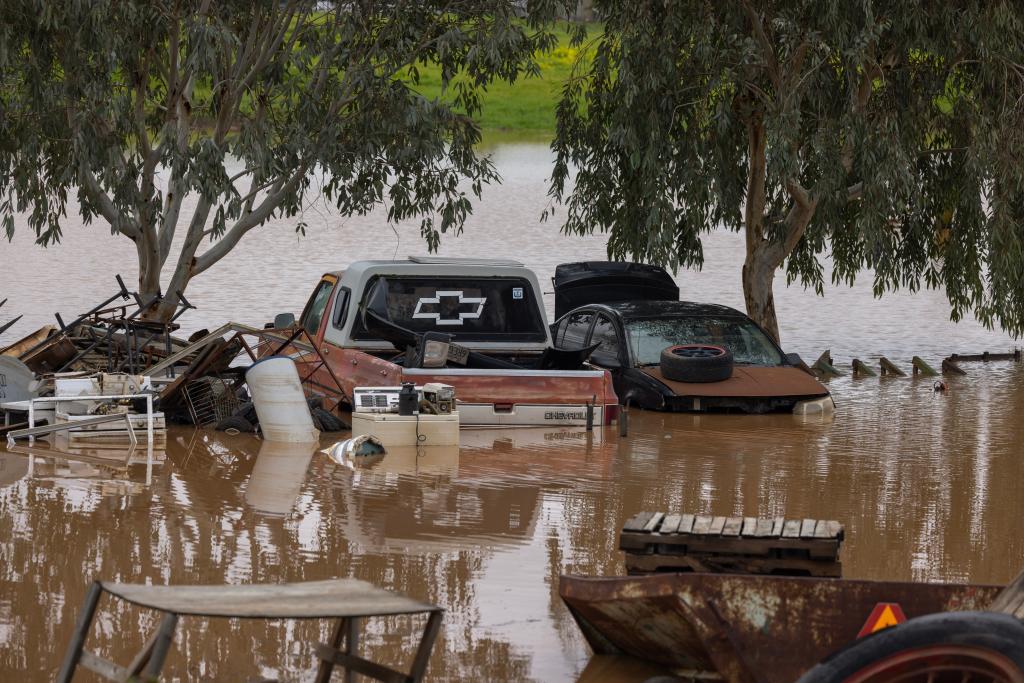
{"x":658,"y":541}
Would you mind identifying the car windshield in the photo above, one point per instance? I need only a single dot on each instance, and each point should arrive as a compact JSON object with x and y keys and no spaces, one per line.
{"x":648,"y":337}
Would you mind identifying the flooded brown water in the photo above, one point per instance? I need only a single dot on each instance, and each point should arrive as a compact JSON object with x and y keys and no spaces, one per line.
{"x":927,"y":483}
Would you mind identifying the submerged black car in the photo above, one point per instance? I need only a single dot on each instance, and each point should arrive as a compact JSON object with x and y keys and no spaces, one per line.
{"x":684,"y":356}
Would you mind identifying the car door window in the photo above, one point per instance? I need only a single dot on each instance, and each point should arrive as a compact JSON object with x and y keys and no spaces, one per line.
{"x":576,"y":330}
{"x":341,"y":308}
{"x":606,"y":335}
{"x":316,"y":306}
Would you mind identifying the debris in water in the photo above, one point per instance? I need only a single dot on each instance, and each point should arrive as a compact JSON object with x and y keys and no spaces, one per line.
{"x":364,"y":445}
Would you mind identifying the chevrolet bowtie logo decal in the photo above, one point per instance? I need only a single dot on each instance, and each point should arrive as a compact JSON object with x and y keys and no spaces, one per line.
{"x":455,"y":307}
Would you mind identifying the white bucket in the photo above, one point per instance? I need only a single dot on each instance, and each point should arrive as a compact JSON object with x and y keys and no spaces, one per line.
{"x":280,"y":402}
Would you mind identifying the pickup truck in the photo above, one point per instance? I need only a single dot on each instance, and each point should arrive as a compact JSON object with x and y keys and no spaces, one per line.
{"x":478,"y":325}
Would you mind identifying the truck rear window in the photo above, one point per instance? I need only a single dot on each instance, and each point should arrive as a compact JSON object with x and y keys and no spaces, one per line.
{"x":469,"y":309}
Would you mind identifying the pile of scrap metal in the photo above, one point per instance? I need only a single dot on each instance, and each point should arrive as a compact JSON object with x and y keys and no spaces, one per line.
{"x":207,"y":378}
{"x":81,"y":408}
{"x":199,"y":380}
{"x":113,"y":336}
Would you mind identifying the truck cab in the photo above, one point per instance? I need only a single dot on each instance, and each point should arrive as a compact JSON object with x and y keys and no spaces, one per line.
{"x":374,"y":324}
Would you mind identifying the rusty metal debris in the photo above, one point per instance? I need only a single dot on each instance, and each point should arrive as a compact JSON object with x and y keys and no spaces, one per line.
{"x":113,"y":336}
{"x":207,"y":382}
{"x":210,"y":400}
{"x":6,"y":326}
{"x":743,"y":627}
{"x":196,"y":379}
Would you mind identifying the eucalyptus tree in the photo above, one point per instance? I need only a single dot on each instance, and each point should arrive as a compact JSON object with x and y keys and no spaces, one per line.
{"x":883,"y":134}
{"x":252,"y":107}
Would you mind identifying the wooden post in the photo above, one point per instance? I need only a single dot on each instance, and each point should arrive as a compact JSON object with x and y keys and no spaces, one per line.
{"x":859,"y":368}
{"x":92,"y":599}
{"x":823,"y":366}
{"x":889,"y":368}
{"x":949,"y":367}
{"x":922,"y":367}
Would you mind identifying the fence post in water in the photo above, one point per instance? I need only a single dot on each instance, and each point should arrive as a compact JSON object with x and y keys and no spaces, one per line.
{"x":823,"y":366}
{"x":949,"y":367}
{"x":889,"y":368}
{"x":859,"y":368}
{"x":921,"y":367}
{"x":624,"y":420}
{"x":590,"y":416}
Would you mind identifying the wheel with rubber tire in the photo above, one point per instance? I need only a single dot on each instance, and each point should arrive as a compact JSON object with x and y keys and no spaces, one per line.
{"x":954,"y":646}
{"x":696,"y":363}
{"x":326,"y":421}
{"x":238,"y":422}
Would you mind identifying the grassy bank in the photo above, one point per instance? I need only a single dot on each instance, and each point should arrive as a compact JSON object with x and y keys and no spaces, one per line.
{"x":524,"y":110}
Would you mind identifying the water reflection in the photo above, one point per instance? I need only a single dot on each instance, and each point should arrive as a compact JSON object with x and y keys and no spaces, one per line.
{"x":926,"y":484}
{"x":12,"y":469}
{"x":277,"y":476}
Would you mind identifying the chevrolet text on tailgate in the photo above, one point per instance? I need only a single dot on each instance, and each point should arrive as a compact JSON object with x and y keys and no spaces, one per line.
{"x":476,"y":324}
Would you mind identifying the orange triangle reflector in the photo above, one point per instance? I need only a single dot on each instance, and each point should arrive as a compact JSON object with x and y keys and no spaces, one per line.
{"x":884,"y":615}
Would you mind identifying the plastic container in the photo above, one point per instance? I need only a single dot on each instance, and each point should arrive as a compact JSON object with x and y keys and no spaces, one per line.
{"x":280,"y":402}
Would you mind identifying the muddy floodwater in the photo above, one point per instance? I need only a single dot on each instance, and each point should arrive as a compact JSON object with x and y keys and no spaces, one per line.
{"x":927,"y":483}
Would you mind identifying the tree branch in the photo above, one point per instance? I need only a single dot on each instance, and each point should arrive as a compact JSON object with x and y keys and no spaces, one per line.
{"x":101,"y":200}
{"x":797,"y":220}
{"x":771,"y":61}
{"x":250,"y":220}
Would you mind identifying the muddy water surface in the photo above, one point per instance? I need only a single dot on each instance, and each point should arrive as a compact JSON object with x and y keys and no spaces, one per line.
{"x":927,"y":484}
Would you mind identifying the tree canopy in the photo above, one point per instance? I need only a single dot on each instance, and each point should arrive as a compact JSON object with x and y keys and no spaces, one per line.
{"x":128,"y":106}
{"x":880,"y":135}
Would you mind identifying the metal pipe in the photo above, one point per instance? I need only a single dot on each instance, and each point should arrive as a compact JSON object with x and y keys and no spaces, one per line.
{"x":50,"y":429}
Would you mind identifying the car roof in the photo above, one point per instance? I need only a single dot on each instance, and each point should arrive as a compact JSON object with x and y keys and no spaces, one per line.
{"x":650,"y":309}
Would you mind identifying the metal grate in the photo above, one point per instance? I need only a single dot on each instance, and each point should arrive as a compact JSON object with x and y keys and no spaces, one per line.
{"x":373,"y":400}
{"x":210,"y":400}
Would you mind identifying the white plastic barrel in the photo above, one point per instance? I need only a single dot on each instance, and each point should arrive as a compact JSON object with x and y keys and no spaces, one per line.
{"x":280,"y":402}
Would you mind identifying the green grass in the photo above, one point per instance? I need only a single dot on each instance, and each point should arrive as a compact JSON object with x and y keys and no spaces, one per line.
{"x":524,"y":110}
{"x":521,"y":111}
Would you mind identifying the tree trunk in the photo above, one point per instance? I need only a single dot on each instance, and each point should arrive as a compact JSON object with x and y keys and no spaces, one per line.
{"x":149,"y":268}
{"x":762,"y":258}
{"x":758,"y":276}
{"x":766,"y":254}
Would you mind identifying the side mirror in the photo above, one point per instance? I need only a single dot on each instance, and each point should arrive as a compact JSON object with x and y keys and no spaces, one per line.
{"x":284,"y":320}
{"x":794,"y":359}
{"x":432,"y":351}
{"x":605,"y":360}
